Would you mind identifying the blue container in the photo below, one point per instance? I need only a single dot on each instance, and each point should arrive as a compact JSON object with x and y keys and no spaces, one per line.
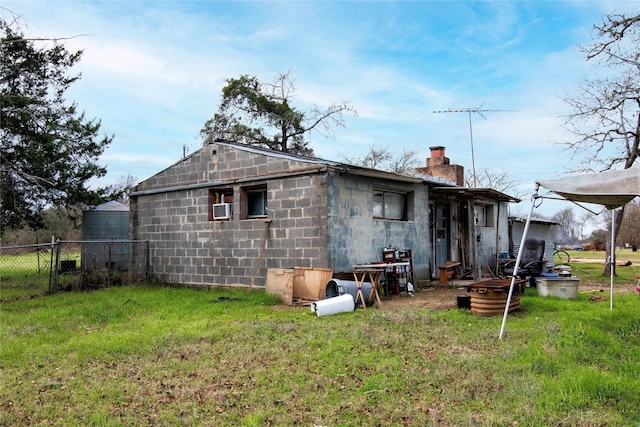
{"x":549,"y":274}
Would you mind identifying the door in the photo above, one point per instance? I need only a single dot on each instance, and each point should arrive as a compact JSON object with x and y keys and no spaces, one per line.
{"x":440,"y":233}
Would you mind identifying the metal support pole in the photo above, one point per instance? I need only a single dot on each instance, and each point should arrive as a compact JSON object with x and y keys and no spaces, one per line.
{"x":612,"y":267}
{"x":517,"y":266}
{"x":473,"y":157}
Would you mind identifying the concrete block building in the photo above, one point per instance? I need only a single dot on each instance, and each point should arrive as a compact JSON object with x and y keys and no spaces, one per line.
{"x":227,"y":212}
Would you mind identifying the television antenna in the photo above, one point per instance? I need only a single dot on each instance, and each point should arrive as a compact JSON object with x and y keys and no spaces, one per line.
{"x":478,"y":110}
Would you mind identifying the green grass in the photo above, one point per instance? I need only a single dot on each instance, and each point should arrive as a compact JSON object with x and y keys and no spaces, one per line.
{"x":593,"y":272}
{"x":177,"y":356}
{"x":29,"y":275}
{"x":621,"y":254}
{"x":24,"y":275}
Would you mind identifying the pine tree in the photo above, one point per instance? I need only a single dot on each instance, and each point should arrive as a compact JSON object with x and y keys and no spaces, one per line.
{"x":49,"y":150}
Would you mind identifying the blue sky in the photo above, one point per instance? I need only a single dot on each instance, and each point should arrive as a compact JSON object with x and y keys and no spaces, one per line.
{"x":153,"y":71}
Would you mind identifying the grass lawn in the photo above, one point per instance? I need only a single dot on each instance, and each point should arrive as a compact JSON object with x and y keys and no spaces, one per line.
{"x":24,"y":275}
{"x":621,"y":254}
{"x":589,"y":266}
{"x":143,"y":355}
{"x":28,"y":275}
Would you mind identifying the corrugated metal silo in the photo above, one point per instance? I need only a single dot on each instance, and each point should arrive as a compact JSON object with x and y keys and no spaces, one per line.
{"x":102,"y":226}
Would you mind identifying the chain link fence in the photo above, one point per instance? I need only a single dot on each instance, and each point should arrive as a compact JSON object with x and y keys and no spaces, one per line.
{"x":31,"y":270}
{"x":25,"y":271}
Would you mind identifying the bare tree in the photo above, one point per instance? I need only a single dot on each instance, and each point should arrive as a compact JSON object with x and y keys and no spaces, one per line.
{"x":630,"y":227}
{"x":375,"y":158}
{"x":605,"y":116}
{"x":405,"y":163}
{"x":566,"y":232}
{"x":383,"y":159}
{"x":587,"y":218}
{"x":123,"y":185}
{"x":496,"y":180}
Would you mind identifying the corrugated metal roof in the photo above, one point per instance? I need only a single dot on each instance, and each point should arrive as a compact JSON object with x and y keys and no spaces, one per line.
{"x":345,"y":168}
{"x":486,"y":193}
{"x":110,"y":206}
{"x":277,"y":154}
{"x":519,"y":218}
{"x":342,"y":167}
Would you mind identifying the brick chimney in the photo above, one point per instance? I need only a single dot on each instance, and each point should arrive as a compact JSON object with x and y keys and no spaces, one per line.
{"x":438,"y":165}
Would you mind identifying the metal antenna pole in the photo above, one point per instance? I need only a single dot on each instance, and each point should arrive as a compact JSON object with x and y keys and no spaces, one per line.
{"x":479,"y":111}
{"x":473,"y":157}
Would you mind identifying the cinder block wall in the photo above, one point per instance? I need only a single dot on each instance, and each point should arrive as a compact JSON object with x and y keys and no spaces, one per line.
{"x":355,"y":237}
{"x":171,"y":209}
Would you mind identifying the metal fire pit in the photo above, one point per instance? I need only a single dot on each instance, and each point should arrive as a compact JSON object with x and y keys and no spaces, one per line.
{"x":489,"y":297}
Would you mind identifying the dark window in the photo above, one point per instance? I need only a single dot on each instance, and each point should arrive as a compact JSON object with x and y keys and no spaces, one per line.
{"x":389,"y":205}
{"x":485,"y":216}
{"x":256,"y":199}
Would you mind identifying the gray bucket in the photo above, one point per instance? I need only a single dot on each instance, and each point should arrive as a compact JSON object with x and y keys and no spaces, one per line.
{"x":337,"y":287}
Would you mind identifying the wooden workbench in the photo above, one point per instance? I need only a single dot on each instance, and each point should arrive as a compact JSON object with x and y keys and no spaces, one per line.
{"x":374,"y":272}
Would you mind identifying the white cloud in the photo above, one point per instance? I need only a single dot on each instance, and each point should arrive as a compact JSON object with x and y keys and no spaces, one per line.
{"x":153,"y":72}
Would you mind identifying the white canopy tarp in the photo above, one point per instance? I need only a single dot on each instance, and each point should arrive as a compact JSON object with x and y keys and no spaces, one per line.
{"x":613,"y":188}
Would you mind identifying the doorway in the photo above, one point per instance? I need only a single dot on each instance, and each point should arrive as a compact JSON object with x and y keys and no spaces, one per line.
{"x":440,"y":229}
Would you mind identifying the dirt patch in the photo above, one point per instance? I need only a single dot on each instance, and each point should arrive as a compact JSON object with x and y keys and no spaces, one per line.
{"x":429,"y":298}
{"x":446,"y":297}
{"x":595,"y":287}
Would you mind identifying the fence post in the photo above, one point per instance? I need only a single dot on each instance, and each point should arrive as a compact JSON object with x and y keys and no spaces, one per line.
{"x":55,"y":267}
{"x":109,"y":266}
{"x":38,"y":252}
{"x":53,"y":243}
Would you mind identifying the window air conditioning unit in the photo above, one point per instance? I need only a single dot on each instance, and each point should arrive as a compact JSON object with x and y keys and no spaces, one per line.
{"x":222,"y":210}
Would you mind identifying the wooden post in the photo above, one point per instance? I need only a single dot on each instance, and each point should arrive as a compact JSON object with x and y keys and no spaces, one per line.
{"x":267,"y":222}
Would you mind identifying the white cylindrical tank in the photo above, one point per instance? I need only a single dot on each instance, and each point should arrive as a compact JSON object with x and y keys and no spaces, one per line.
{"x":340,"y":304}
